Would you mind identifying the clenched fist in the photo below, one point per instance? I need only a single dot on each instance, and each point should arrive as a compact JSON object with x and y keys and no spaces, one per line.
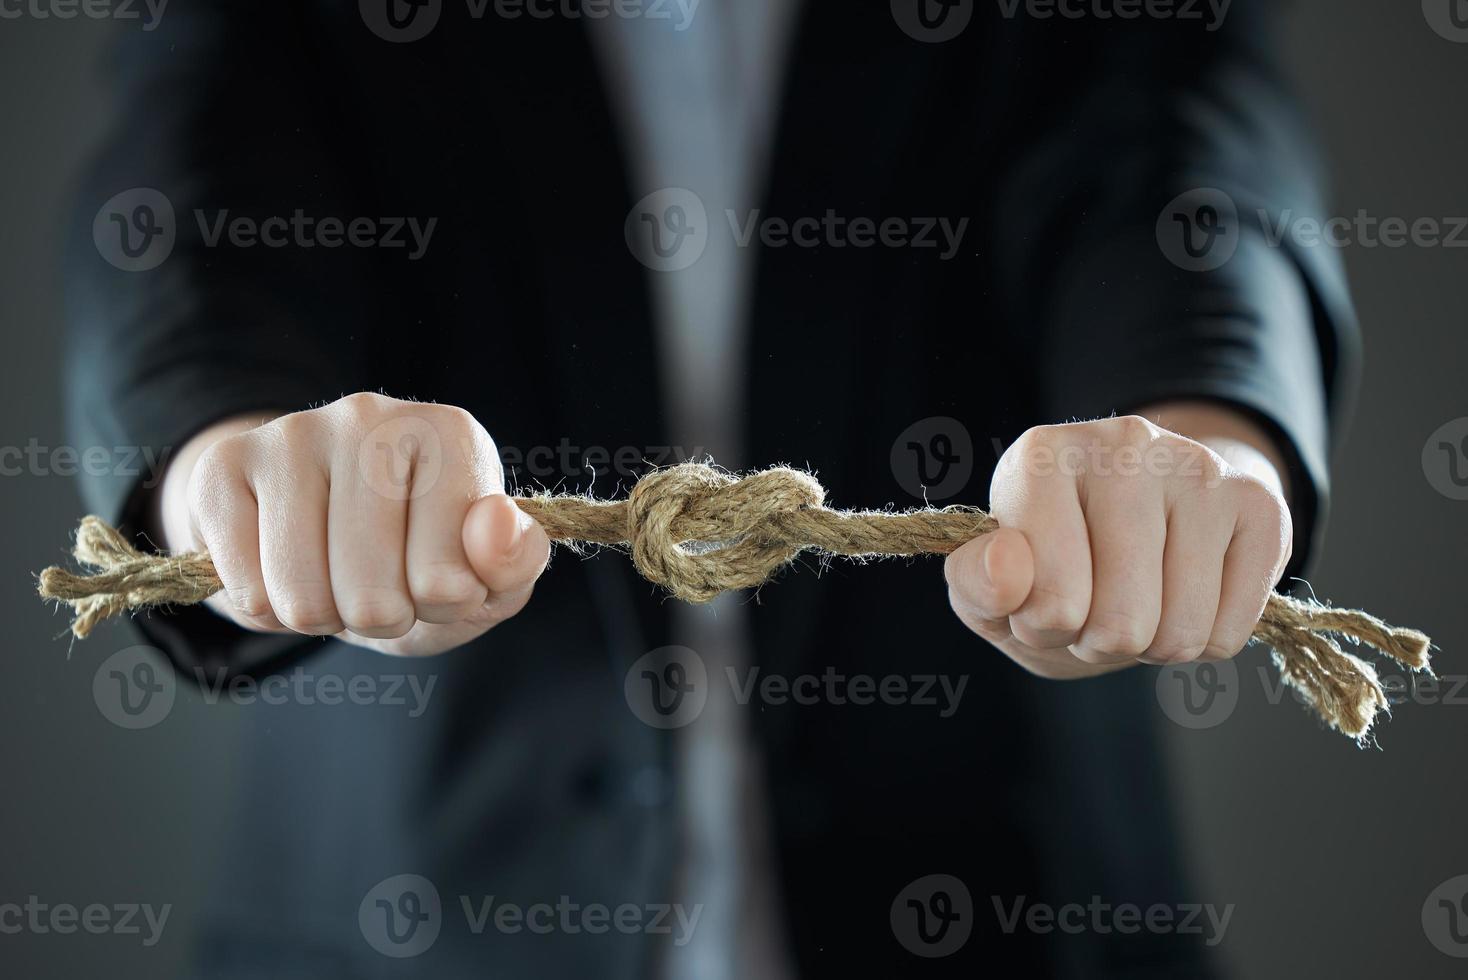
{"x":1124,"y":542}
{"x":381,"y":522}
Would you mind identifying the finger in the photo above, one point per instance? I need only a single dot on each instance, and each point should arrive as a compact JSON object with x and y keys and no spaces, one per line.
{"x":443,"y":585}
{"x":1055,"y":528}
{"x":366,"y":536}
{"x":1255,"y":560}
{"x":225,"y":521}
{"x":507,"y":550}
{"x":988,"y":579}
{"x":1126,"y":520}
{"x":293,"y":556}
{"x":1198,"y":537}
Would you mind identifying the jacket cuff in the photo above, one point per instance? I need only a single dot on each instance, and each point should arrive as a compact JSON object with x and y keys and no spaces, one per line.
{"x":1132,"y":330}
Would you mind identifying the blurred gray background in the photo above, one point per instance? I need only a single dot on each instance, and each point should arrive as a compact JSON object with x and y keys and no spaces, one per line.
{"x":1327,"y":853}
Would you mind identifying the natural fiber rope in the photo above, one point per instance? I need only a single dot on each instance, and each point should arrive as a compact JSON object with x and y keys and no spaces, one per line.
{"x":760,"y":523}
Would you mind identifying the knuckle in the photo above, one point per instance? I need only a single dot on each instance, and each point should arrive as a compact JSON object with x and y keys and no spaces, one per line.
{"x":1260,"y":501}
{"x":294,"y":429}
{"x":1181,"y":645}
{"x":1117,"y":633}
{"x":1049,"y":436}
{"x":464,"y":434}
{"x":1227,"y":641}
{"x":1262,"y":507}
{"x":1131,"y":430}
{"x":365,"y":404}
{"x":444,"y":585}
{"x":377,"y":613}
{"x":1054,"y":615}
{"x":1212,"y":471}
{"x":452,"y":418}
{"x":1197,"y":467}
{"x":307,"y":612}
{"x":221,"y":460}
{"x":249,"y":602}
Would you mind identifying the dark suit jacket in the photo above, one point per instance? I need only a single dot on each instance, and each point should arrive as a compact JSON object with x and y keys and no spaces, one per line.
{"x":528,"y":778}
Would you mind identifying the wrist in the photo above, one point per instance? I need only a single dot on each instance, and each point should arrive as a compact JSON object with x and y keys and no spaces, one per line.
{"x":1242,"y":442}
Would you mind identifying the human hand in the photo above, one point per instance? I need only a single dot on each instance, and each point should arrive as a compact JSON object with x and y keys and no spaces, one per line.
{"x":1122,"y":542}
{"x":381,"y":522}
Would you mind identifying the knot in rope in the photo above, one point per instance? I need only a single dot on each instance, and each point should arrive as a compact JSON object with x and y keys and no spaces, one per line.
{"x":741,"y":529}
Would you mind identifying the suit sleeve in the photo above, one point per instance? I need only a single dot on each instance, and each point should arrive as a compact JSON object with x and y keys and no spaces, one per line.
{"x":220,"y":114}
{"x":1144,"y":218}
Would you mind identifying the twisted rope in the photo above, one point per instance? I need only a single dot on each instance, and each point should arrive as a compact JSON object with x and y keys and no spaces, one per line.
{"x":757,"y":524}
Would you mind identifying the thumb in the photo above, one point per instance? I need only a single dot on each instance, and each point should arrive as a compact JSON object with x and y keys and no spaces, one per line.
{"x":505,"y":546}
{"x":991,"y":575}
